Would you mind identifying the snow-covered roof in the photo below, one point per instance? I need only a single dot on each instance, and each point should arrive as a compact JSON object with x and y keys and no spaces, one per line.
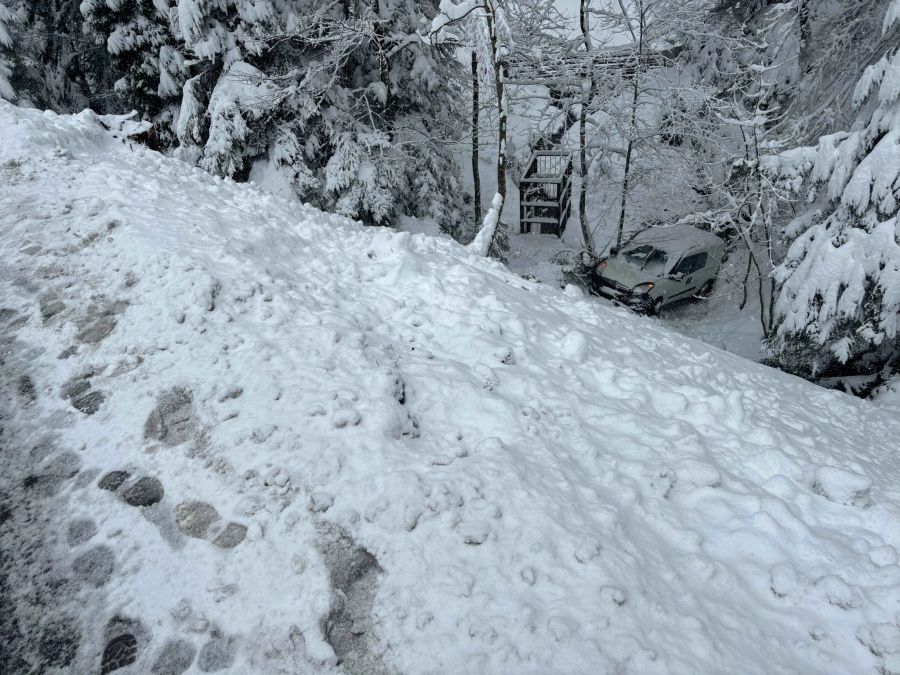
{"x":350,"y":449}
{"x":678,"y":238}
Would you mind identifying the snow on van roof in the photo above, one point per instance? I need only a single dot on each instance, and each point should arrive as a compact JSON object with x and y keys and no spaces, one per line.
{"x":672,"y":238}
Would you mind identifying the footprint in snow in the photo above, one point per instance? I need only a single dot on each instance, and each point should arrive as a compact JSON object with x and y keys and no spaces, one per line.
{"x":95,"y":566}
{"x":172,"y":421}
{"x":100,"y":322}
{"x":124,"y":640}
{"x":353,"y":572}
{"x":50,"y":305}
{"x":217,"y":654}
{"x":79,"y":392}
{"x":80,"y":531}
{"x":49,"y":480}
{"x":345,"y":417}
{"x":175,"y":657}
{"x":200,"y":520}
{"x":143,"y":492}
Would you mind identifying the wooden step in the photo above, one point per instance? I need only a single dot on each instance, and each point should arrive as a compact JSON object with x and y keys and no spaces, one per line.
{"x":540,"y":219}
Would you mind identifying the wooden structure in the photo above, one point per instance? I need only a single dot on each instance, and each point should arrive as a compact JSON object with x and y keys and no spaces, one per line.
{"x":570,"y":67}
{"x":545,"y":193}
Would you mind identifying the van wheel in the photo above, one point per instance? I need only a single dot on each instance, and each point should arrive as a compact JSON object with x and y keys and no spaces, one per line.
{"x":706,"y":290}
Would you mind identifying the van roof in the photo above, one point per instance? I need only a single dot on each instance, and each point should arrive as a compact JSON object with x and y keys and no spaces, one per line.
{"x":677,"y":238}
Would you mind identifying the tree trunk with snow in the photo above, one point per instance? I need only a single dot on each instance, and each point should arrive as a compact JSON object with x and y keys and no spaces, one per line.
{"x":476,"y":175}
{"x":500,"y":92}
{"x":481,"y":245}
{"x":586,"y":97}
{"x":629,"y":148}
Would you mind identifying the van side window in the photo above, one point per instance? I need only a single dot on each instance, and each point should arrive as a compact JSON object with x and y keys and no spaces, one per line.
{"x":691,"y":264}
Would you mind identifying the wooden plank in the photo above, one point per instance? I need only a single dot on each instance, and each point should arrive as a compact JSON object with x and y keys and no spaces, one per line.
{"x":540,"y":219}
{"x":545,"y":204}
{"x":541,"y":180}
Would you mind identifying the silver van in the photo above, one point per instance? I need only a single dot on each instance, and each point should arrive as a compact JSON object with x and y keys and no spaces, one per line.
{"x":659,"y":266}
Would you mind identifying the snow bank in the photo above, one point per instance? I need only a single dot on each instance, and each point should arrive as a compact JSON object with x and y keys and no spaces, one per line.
{"x":341,"y":443}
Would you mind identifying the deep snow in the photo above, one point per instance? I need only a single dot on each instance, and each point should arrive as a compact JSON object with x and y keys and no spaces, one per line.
{"x":381,"y":445}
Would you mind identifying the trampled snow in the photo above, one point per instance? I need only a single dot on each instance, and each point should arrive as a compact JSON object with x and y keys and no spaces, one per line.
{"x":379,"y":452}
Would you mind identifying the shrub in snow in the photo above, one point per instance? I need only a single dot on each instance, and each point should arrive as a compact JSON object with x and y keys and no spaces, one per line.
{"x":838,"y":306}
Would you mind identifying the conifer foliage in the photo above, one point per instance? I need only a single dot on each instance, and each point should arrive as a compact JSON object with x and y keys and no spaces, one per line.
{"x":344,"y":105}
{"x":839,"y":300}
{"x":6,"y":57}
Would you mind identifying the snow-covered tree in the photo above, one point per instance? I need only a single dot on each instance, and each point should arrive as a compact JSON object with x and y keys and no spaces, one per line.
{"x":6,"y":53}
{"x":51,"y":64}
{"x":149,"y":69}
{"x":340,"y":104}
{"x":735,"y":116}
{"x":631,"y":124}
{"x":376,"y":107}
{"x":839,"y":288}
{"x":484,"y":26}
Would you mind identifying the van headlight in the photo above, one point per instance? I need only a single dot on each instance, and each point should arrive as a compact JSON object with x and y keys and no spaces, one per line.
{"x":643,"y":289}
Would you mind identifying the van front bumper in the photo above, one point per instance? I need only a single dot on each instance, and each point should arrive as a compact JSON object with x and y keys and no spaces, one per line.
{"x":640,"y":302}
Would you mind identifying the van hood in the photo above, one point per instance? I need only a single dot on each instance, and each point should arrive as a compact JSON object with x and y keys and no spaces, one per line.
{"x":626,"y":273}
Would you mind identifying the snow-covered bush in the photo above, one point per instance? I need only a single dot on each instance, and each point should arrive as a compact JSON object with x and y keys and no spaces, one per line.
{"x":838,"y":306}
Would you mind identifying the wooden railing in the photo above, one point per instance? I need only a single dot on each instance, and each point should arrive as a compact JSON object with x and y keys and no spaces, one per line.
{"x":545,"y":193}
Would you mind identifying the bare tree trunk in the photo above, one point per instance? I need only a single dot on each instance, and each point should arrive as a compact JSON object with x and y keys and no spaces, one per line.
{"x":501,"y":109}
{"x":744,"y":285}
{"x":476,"y":176}
{"x":804,"y":19}
{"x":629,"y":148}
{"x":762,"y":305}
{"x":582,"y":196}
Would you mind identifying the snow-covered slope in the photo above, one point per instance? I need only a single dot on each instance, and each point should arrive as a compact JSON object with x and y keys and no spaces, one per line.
{"x":441,"y":468}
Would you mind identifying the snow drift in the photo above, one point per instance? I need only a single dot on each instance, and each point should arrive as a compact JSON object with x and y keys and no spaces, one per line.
{"x":271,"y":440}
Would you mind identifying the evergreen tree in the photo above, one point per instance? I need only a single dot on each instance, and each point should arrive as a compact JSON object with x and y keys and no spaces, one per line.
{"x":54,"y":66}
{"x":142,"y":56}
{"x":341,"y":104}
{"x":355,"y":81}
{"x":839,"y":300}
{"x":6,"y":53}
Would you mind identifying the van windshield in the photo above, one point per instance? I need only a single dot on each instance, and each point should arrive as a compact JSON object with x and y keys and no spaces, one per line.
{"x":647,"y":258}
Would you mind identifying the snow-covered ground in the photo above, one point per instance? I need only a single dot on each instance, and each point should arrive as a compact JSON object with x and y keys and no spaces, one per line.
{"x":343,"y":449}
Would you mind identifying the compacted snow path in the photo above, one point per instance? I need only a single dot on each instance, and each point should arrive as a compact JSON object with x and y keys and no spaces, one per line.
{"x":243,"y":435}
